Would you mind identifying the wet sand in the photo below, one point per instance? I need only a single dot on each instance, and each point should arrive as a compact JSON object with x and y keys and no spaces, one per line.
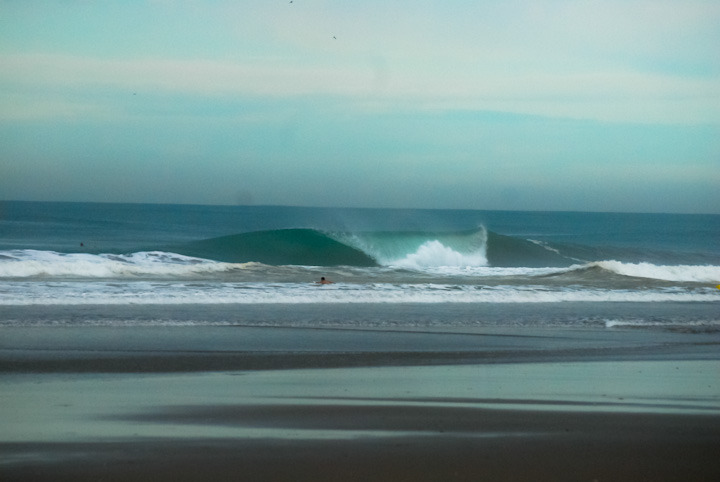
{"x":253,"y":403}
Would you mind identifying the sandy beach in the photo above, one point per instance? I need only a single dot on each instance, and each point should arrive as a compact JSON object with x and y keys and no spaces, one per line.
{"x":260,"y":403}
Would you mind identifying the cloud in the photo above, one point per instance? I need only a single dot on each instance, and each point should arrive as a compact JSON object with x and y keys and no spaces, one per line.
{"x":616,"y":60}
{"x":609,"y":96}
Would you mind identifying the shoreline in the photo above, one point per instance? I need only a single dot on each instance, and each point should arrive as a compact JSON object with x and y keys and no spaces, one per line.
{"x":148,"y":349}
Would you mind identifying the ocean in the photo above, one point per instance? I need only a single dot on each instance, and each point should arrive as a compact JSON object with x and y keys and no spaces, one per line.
{"x":171,"y":342}
{"x":78,"y":264}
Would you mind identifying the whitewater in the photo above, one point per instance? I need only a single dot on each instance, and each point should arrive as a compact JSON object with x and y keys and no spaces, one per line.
{"x":607,"y":267}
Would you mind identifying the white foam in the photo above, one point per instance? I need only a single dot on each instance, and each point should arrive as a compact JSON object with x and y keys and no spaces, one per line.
{"x":417,"y":252}
{"x":159,"y":293}
{"x":433,"y":254}
{"x":31,"y":263}
{"x":681,"y":273}
{"x":641,"y":323}
{"x":491,"y":272}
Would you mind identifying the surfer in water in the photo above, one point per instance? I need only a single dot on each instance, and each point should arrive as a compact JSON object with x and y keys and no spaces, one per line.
{"x":323,"y":281}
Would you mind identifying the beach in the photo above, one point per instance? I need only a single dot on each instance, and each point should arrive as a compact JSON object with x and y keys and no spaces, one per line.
{"x":272,"y":403}
{"x":183,"y":343}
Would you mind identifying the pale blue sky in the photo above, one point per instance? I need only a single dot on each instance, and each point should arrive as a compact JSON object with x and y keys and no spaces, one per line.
{"x":545,"y":104}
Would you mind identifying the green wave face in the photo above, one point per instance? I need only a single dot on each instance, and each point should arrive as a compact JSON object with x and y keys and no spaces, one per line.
{"x":425,"y":248}
{"x":477,"y":247}
{"x":308,"y":247}
{"x":508,"y":251}
{"x":303,"y":247}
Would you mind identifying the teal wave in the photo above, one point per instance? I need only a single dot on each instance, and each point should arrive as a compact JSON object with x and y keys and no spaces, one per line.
{"x":309,"y":247}
{"x":305,"y":247}
{"x":510,"y":252}
{"x":477,"y":247}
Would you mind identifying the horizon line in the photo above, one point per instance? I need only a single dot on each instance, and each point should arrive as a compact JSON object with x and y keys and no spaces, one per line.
{"x":301,"y":206}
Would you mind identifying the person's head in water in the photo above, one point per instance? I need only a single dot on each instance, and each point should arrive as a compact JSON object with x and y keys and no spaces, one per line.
{"x":323,"y":281}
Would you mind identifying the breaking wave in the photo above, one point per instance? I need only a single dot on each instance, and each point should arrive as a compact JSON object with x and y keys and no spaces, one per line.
{"x":478,"y":253}
{"x":308,"y":247}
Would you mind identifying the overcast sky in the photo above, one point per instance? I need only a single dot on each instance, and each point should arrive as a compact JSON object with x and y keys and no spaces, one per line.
{"x":508,"y":104}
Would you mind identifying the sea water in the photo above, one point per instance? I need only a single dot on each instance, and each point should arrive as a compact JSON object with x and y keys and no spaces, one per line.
{"x":137,"y":264}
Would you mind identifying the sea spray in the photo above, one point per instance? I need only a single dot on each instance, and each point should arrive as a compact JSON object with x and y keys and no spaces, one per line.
{"x":418,"y":250}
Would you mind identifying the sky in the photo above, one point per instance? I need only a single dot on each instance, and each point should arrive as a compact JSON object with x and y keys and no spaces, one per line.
{"x":577,"y":105}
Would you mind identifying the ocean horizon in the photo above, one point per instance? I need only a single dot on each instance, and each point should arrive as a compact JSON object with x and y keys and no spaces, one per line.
{"x":358,"y":207}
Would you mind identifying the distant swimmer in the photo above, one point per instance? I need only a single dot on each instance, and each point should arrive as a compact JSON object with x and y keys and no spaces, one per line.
{"x":323,"y":281}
